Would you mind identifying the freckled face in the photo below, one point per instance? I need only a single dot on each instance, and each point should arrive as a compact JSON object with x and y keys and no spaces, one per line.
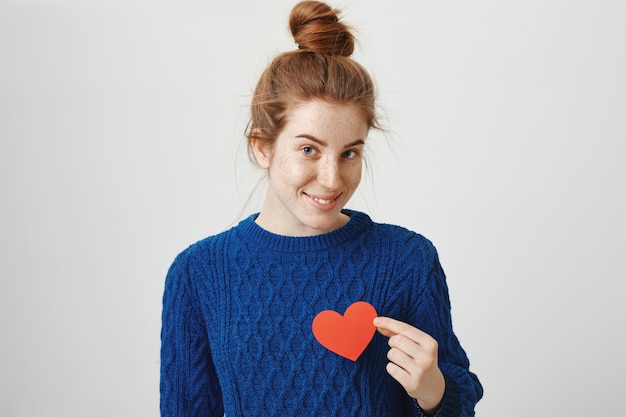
{"x":314,"y":168}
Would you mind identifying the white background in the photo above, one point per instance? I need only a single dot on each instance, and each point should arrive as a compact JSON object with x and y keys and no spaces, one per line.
{"x":121,"y":143}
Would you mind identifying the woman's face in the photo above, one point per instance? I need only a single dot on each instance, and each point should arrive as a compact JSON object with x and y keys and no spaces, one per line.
{"x":314,"y":168}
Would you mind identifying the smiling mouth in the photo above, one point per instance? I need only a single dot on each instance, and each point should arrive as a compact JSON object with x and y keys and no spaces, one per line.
{"x":323,"y":201}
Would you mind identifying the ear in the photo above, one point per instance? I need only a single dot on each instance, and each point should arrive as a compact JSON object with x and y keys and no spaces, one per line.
{"x":262,"y":151}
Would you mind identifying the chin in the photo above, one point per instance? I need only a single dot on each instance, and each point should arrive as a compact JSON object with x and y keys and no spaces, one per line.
{"x":324,"y":223}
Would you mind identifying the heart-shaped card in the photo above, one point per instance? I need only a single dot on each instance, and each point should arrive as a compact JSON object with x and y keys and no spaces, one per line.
{"x":346,"y":335}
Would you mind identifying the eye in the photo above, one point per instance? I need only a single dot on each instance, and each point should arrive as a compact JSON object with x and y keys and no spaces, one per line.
{"x":350,"y":154}
{"x":308,"y":150}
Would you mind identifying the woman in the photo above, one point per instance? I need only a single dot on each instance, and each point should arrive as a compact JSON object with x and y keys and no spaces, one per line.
{"x":238,"y":335}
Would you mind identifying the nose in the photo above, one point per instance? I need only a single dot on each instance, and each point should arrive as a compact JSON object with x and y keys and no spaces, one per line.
{"x":329,"y":174}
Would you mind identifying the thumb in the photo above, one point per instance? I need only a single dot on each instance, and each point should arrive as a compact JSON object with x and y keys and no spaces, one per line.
{"x":384,"y":331}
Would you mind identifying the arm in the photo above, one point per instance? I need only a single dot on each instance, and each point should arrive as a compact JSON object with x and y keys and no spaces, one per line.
{"x":425,"y":355}
{"x":463,"y":389}
{"x":189,"y":385}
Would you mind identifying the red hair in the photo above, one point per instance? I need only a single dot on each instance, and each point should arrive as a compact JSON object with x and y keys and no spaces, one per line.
{"x":321,"y":68}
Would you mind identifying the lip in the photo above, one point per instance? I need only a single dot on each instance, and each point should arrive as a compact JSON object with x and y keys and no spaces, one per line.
{"x":323,"y":202}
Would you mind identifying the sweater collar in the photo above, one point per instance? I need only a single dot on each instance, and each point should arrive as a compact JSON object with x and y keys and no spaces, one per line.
{"x":252,"y":233}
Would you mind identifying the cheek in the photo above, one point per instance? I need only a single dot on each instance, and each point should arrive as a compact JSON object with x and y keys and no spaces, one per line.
{"x":353,"y":175}
{"x":291,"y":171}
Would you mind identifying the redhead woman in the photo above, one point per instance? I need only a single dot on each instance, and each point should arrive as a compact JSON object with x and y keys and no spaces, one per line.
{"x":309,"y":308}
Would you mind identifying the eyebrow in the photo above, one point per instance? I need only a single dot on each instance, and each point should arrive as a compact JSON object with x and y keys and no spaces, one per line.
{"x":323,"y":143}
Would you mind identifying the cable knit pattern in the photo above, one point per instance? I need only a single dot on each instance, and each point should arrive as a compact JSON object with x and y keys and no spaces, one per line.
{"x":237,"y":313}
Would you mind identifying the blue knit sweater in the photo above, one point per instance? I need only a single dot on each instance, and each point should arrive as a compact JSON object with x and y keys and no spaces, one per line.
{"x":237,"y":312}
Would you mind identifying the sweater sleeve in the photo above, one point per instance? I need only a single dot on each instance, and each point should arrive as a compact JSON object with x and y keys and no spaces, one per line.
{"x":433,"y":315}
{"x":189,"y":384}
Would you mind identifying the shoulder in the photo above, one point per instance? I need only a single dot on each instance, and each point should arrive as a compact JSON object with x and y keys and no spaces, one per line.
{"x":205,"y":248}
{"x":204,"y":251}
{"x":410,"y":252}
{"x":196,"y":263}
{"x":405,"y":239}
{"x":412,"y":262}
{"x":389,"y":234}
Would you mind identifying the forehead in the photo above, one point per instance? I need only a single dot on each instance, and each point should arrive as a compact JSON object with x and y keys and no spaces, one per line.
{"x":326,"y":120}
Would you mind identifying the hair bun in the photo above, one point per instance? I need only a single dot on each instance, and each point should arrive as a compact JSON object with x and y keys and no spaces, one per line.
{"x":316,"y":27}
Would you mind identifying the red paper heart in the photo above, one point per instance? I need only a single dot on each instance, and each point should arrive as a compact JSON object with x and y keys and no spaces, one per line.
{"x":346,"y":335}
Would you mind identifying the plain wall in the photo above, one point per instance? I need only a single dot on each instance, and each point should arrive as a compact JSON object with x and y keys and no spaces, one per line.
{"x":121,"y":142}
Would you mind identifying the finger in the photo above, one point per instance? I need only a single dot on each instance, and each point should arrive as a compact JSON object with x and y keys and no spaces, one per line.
{"x":402,"y":359}
{"x":405,"y":345}
{"x":415,"y":359}
{"x":401,"y":375}
{"x":388,"y":327}
{"x":385,"y":332}
{"x":410,"y":372}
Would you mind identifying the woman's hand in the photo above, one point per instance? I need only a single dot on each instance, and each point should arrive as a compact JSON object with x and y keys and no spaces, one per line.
{"x":413,"y":362}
